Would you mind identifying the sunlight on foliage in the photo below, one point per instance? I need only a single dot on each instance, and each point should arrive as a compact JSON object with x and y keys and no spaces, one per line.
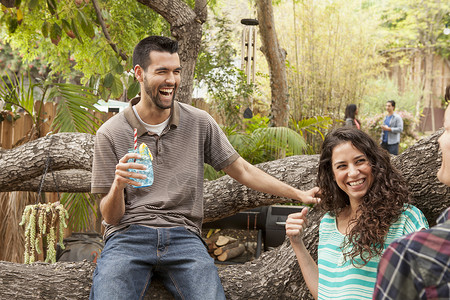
{"x":79,"y":206}
{"x":74,"y":109}
{"x":14,"y":92}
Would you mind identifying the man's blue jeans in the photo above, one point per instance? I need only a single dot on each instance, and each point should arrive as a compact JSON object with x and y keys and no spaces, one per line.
{"x":392,"y":148}
{"x":133,"y":255}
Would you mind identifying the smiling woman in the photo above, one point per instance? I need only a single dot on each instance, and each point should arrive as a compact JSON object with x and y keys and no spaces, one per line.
{"x":367,"y":206}
{"x":352,"y":171}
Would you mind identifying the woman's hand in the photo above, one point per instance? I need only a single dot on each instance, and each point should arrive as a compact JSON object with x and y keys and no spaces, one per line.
{"x":295,"y":226}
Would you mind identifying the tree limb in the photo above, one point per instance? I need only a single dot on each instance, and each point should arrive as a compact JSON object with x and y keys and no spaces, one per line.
{"x":106,"y":33}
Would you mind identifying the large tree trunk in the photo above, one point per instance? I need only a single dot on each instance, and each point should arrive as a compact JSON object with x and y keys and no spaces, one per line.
{"x":186,"y":27}
{"x":276,"y":57}
{"x":274,"y":275}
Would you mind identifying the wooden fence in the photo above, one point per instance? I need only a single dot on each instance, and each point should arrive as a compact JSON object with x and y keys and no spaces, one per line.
{"x":15,"y":132}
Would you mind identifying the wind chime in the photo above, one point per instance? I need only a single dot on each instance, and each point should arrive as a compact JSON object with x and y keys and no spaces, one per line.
{"x":248,"y":55}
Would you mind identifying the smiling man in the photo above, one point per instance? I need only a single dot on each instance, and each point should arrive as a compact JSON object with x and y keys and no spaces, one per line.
{"x":392,"y":128}
{"x":155,"y":230}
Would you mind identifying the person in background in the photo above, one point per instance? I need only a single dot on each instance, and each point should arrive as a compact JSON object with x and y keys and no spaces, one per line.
{"x":417,"y":266}
{"x":155,"y":230}
{"x":350,"y":116}
{"x":392,"y":127}
{"x":367,"y":206}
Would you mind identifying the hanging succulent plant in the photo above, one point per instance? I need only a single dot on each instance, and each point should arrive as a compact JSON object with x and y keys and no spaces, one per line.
{"x":43,"y":220}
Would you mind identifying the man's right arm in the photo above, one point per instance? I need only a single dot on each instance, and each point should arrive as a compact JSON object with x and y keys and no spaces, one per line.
{"x":112,"y":206}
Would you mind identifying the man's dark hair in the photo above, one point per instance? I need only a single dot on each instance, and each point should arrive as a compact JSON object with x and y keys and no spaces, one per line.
{"x":141,"y":53}
{"x":392,"y":102}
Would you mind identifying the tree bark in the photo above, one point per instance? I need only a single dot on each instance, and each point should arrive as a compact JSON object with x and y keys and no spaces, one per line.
{"x":71,"y":160}
{"x":276,"y":57}
{"x":274,"y":275}
{"x":186,"y":27}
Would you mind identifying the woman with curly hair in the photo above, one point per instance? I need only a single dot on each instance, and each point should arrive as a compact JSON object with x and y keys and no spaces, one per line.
{"x":366,"y":201}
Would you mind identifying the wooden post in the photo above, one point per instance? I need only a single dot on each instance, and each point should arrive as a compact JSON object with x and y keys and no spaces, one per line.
{"x":49,"y":115}
{"x":39,"y":114}
{"x":1,"y":130}
{"x":7,"y":132}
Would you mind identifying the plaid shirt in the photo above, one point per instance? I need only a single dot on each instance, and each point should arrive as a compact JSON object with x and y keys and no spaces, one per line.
{"x":417,"y":266}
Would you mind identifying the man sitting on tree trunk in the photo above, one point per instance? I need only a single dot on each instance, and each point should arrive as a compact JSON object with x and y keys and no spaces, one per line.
{"x":155,"y":230}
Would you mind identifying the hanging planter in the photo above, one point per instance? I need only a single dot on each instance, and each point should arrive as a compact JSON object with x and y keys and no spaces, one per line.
{"x":48,"y":221}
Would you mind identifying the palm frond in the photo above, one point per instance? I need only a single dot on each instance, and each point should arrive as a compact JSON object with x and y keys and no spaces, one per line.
{"x":313,"y":125}
{"x":15,"y":92}
{"x":282,"y":139}
{"x":79,"y":206}
{"x":75,"y":108}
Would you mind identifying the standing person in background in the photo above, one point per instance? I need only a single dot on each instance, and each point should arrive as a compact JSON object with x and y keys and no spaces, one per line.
{"x":392,"y":127}
{"x":417,"y":266}
{"x":350,"y":116}
{"x":367,"y":206}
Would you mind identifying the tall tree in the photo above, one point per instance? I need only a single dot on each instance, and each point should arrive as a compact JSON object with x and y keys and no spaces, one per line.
{"x":276,"y":58}
{"x":97,"y":37}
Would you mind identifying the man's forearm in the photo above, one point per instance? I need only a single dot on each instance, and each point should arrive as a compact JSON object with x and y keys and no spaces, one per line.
{"x":112,"y":206}
{"x":256,"y":179}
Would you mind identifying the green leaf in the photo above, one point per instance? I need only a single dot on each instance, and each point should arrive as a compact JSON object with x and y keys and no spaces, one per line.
{"x":45,"y":29}
{"x":92,"y":81}
{"x":108,"y":81}
{"x":116,"y":88}
{"x":112,"y":62}
{"x":33,"y":4}
{"x":13,"y":23}
{"x":133,"y":90}
{"x":15,"y":92}
{"x":51,"y":4}
{"x":118,"y":69}
{"x":67,"y":28}
{"x":85,"y":24}
{"x":129,"y":63}
{"x":55,"y":33}
{"x":75,"y":31}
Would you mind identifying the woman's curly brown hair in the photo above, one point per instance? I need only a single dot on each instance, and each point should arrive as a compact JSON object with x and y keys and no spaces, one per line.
{"x":380,"y":207}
